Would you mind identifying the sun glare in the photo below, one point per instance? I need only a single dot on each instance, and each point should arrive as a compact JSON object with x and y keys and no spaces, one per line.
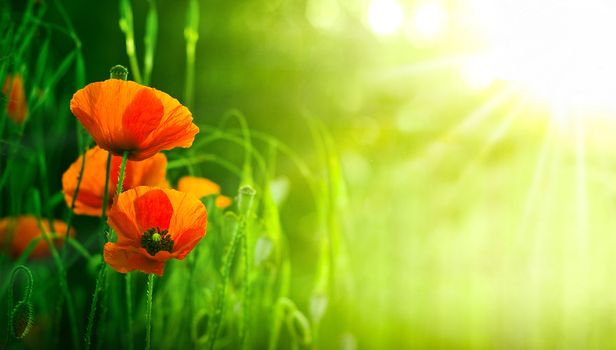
{"x":563,"y":52}
{"x":429,"y":20}
{"x":385,"y":16}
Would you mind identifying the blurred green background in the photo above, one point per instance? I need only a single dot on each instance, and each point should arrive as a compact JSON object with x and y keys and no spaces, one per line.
{"x":478,"y":215}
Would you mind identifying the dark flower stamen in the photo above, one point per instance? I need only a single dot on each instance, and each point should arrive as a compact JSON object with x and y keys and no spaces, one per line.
{"x":154,"y":240}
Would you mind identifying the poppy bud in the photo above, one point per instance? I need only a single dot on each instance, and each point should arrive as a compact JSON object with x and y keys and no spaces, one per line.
{"x":21,"y":319}
{"x":246,"y":197}
{"x":118,"y":72}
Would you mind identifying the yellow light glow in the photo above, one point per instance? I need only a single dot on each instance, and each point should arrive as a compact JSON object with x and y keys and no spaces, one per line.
{"x":322,"y":14}
{"x":477,"y":72}
{"x":385,"y":16}
{"x":429,"y":20}
{"x":563,"y":52}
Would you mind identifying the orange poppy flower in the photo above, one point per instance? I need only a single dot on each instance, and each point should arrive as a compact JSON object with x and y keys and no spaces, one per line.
{"x":125,"y":116}
{"x":16,"y":234}
{"x":149,"y":172}
{"x":13,"y":89}
{"x":153,"y":226}
{"x":201,"y":187}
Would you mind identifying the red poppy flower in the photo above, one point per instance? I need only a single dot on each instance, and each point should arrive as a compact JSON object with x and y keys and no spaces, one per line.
{"x":126,"y":116}
{"x":153,"y":225}
{"x":13,"y":89}
{"x":149,"y":172}
{"x":16,"y":234}
{"x":201,"y":187}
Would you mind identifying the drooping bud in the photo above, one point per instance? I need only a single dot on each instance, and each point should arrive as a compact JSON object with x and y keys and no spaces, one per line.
{"x":21,"y":319}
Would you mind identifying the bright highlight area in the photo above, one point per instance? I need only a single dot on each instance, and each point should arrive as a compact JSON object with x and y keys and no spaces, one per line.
{"x":429,"y":20}
{"x":385,"y":16}
{"x":563,"y":52}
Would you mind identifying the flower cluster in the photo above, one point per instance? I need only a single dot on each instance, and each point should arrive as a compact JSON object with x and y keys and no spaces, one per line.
{"x":153,"y":222}
{"x":124,"y":175}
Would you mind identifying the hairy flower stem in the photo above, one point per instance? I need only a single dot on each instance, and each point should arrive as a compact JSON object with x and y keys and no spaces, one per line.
{"x":121,"y":176}
{"x":226,"y":271}
{"x":69,"y":220}
{"x":129,"y":308}
{"x":106,"y":192}
{"x":103,"y":270}
{"x":63,"y":286}
{"x":148,"y":311}
{"x":129,"y":287}
{"x":97,"y":289}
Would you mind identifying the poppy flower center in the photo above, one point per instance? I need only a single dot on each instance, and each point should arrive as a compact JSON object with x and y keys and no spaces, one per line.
{"x":154,"y":240}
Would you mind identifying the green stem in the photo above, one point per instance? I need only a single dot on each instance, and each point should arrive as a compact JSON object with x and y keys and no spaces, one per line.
{"x":99,"y":282}
{"x":129,"y":308}
{"x":106,"y":192}
{"x":247,"y":293}
{"x":121,"y":177}
{"x":148,"y":311}
{"x":191,"y":35}
{"x":63,"y":286}
{"x":226,"y":269}
{"x":80,"y":248}
{"x":126,"y":25}
{"x":69,"y":220}
{"x":102,"y":272}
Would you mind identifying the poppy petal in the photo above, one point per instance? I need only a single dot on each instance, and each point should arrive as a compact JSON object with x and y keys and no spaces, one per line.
{"x":198,"y":186}
{"x":16,"y":233}
{"x":142,"y":116}
{"x":99,"y":107}
{"x":222,"y":201}
{"x":145,"y":207}
{"x":126,"y":116}
{"x":150,"y":172}
{"x":188,"y":224}
{"x":153,"y":210}
{"x":17,"y":108}
{"x":126,"y":258}
{"x":122,"y":219}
